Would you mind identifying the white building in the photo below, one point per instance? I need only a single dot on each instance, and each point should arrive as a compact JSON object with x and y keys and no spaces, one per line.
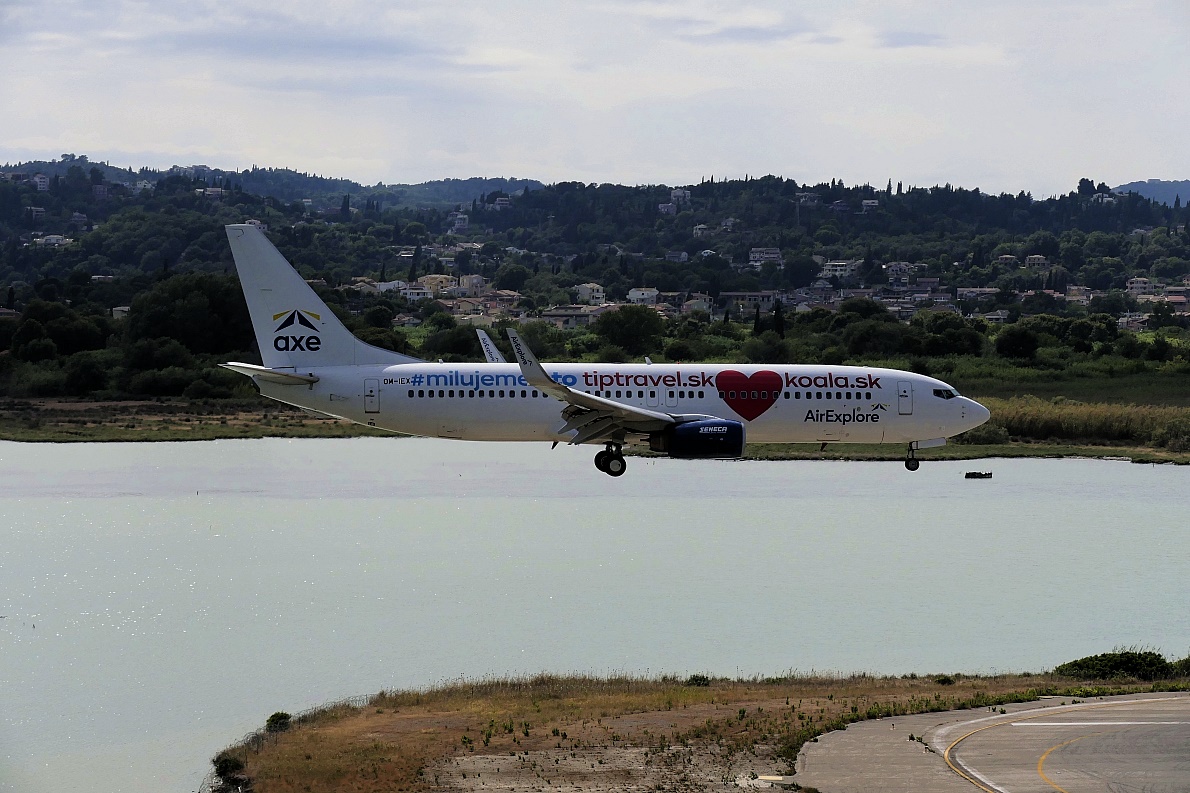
{"x":591,"y":293}
{"x":643,"y":296}
{"x":840,"y":270}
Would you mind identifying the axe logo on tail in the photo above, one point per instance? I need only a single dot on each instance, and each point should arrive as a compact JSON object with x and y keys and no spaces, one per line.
{"x":296,"y":319}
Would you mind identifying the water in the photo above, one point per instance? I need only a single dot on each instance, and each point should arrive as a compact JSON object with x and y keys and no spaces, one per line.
{"x":183,"y":592}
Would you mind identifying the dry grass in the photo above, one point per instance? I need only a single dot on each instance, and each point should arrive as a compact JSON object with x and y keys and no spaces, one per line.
{"x":1030,"y":417}
{"x":390,"y":743}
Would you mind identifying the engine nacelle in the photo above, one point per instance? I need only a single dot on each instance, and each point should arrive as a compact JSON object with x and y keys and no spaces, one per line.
{"x":701,"y":440}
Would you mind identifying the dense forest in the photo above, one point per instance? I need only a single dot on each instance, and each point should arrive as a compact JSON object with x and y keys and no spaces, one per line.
{"x":159,"y":256}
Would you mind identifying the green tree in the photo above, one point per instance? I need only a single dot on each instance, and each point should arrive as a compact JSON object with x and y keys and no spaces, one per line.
{"x":1015,"y":341}
{"x":636,"y":329}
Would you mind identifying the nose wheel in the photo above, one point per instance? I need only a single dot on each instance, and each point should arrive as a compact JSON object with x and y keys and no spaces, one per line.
{"x":611,"y":461}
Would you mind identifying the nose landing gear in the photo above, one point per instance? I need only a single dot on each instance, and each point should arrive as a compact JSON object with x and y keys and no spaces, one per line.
{"x":611,"y":460}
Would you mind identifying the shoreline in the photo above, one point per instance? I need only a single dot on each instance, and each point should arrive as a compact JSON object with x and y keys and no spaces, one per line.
{"x":146,"y":421}
{"x":606,"y":734}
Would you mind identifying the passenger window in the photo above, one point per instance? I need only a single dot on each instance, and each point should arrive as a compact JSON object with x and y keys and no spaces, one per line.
{"x":720,"y":394}
{"x":471,"y":395}
{"x":828,"y":394}
{"x":867,"y":395}
{"x":818,"y":395}
{"x":700,"y":395}
{"x":411,"y":393}
{"x":786,"y":394}
{"x":451,"y":393}
{"x":421,"y":394}
{"x":653,"y":394}
{"x":732,"y":395}
{"x":522,"y":394}
{"x":754,"y":395}
{"x":640,"y":394}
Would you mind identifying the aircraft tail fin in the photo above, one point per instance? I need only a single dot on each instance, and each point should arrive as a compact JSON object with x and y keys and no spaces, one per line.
{"x":293,"y":327}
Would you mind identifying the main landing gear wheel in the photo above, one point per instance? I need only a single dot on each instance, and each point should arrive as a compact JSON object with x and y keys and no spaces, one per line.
{"x":611,"y":461}
{"x":912,"y":464}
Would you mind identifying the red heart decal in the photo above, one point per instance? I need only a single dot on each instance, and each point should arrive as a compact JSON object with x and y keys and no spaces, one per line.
{"x":749,"y":396}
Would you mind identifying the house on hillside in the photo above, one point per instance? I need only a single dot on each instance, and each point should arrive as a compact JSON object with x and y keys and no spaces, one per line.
{"x":643,"y":296}
{"x":591,"y":293}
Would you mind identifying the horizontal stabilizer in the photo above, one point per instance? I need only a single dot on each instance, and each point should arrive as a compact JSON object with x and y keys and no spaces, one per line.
{"x":279,"y":376}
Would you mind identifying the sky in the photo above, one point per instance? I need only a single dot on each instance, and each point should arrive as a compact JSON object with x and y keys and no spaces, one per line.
{"x":1003,"y":95}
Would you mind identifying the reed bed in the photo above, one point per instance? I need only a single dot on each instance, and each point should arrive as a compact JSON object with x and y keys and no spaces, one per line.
{"x":1060,"y":419}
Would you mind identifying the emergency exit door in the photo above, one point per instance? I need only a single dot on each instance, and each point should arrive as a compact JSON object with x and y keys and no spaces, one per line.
{"x":371,"y":395}
{"x":905,"y":398}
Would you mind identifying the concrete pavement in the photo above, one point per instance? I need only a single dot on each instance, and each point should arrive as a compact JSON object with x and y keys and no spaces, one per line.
{"x":1141,"y":740}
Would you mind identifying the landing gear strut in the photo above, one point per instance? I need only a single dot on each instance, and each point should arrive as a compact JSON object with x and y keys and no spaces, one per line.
{"x":911,"y":461}
{"x":611,"y":460}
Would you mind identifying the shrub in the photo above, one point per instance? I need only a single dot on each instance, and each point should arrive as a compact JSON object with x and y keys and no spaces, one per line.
{"x":984,"y":434}
{"x":278,"y":722}
{"x":171,"y":381}
{"x":227,"y":765}
{"x":698,"y":680}
{"x":1139,"y":664}
{"x":1174,"y":435}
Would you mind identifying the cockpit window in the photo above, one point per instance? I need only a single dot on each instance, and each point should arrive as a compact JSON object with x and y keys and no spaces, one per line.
{"x":944,"y":393}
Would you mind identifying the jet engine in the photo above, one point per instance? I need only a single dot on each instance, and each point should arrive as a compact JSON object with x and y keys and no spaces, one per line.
{"x":713,"y":439}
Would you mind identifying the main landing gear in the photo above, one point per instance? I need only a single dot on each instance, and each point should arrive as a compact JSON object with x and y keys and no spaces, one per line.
{"x":611,"y":460}
{"x":911,"y":461}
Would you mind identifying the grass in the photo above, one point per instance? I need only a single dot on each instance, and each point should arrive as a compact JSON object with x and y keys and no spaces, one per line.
{"x":393,"y":741}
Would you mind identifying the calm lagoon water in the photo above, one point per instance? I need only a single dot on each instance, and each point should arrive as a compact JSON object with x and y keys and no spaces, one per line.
{"x":183,"y":592}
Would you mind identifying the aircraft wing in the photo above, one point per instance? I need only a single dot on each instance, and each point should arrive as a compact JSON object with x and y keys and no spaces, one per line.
{"x":490,"y":351}
{"x":592,"y":417}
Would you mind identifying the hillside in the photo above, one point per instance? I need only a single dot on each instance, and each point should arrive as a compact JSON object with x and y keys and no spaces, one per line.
{"x":288,"y":185}
{"x":1160,"y":190}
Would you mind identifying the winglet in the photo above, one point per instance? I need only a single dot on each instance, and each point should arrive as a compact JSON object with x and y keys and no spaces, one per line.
{"x":490,"y":351}
{"x":532,"y":370}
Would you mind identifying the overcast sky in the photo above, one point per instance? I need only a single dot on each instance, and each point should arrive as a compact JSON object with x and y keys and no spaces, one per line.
{"x":1004,"y":95}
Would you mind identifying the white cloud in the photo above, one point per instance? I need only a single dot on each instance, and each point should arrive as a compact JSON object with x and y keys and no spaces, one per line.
{"x":1006,"y":96}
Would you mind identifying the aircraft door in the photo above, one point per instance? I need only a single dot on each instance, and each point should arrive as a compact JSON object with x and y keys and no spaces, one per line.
{"x":905,"y":398}
{"x":651,"y":398}
{"x":371,"y":395}
{"x":671,"y":398}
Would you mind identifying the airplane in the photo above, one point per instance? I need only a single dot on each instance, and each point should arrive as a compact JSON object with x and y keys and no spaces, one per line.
{"x":685,"y":411}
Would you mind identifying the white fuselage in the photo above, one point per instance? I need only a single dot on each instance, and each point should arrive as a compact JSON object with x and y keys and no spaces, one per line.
{"x":776,"y":404}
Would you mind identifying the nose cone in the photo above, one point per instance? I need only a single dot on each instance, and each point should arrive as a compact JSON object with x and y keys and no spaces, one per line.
{"x":974,"y":413}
